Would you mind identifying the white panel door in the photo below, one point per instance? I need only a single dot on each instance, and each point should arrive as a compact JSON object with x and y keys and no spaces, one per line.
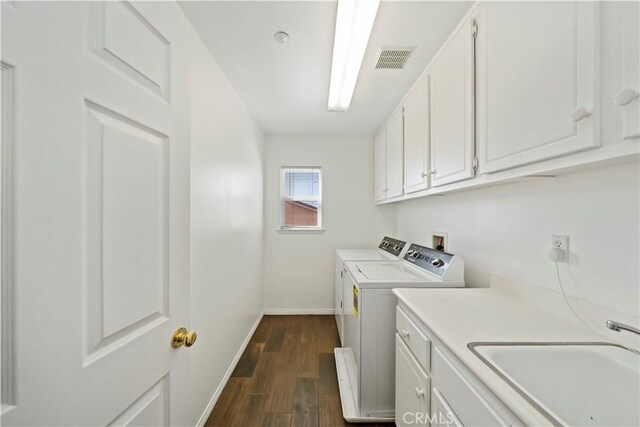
{"x":101,"y":247}
{"x":416,"y":144}
{"x":395,"y":156}
{"x":380,"y":166}
{"x":413,"y":389}
{"x":538,"y":71}
{"x":451,"y":94}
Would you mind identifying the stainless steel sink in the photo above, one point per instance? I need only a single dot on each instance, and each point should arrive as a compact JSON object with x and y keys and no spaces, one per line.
{"x":579,"y":384}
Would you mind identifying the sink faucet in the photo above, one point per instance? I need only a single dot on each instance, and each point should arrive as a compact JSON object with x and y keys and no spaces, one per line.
{"x":617,"y":326}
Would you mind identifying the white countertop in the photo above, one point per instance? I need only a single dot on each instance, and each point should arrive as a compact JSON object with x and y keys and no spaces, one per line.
{"x":458,"y":317}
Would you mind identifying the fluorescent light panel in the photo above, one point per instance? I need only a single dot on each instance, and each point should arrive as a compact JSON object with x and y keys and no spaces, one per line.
{"x":353,"y":27}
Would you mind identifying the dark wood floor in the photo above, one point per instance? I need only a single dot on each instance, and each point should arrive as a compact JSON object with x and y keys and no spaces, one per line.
{"x":286,"y":377}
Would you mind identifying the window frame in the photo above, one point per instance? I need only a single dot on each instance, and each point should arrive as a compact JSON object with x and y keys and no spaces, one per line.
{"x":300,"y":229}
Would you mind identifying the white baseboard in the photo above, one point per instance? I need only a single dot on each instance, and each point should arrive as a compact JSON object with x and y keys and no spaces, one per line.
{"x":227,"y":375}
{"x":298,"y":311}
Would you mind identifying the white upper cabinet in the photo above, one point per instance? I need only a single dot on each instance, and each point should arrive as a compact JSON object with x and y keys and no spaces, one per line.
{"x":380,"y":166}
{"x":620,"y":72}
{"x":416,"y":144}
{"x":538,"y":71}
{"x":395,"y":157}
{"x":451,"y":95}
{"x":627,"y":97}
{"x":520,"y":87}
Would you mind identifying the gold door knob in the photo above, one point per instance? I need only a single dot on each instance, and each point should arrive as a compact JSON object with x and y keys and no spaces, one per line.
{"x":183,"y":337}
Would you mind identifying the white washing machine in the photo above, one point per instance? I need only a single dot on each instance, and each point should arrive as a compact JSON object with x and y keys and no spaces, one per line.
{"x":366,"y":362}
{"x":389,"y":249}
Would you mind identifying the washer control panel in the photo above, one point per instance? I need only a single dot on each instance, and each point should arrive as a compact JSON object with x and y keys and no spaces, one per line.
{"x":392,"y":246}
{"x":428,"y":259}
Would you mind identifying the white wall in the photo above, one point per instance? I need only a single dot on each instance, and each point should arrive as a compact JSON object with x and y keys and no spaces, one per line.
{"x":298,"y":268}
{"x":508,"y":229}
{"x":226,"y":222}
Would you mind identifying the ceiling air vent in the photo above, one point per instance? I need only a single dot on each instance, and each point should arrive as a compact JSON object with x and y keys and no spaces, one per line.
{"x":393,"y":58}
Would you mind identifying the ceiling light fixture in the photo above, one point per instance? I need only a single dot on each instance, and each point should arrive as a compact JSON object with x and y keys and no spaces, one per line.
{"x":281,"y":37}
{"x":354,"y":22}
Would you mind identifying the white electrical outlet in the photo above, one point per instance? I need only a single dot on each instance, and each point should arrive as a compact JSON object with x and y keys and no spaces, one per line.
{"x":562,"y":243}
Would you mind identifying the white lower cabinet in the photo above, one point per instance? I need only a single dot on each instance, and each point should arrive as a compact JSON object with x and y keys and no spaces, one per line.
{"x":465,"y":400}
{"x":441,"y":413}
{"x":433,"y":388}
{"x":413,"y":389}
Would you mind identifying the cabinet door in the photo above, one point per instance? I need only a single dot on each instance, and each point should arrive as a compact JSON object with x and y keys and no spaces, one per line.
{"x":413,"y":389}
{"x":380,"y":166}
{"x":538,"y":73}
{"x":441,"y":413}
{"x":451,"y":94}
{"x":416,"y":144}
{"x":395,"y":142}
{"x":627,"y":97}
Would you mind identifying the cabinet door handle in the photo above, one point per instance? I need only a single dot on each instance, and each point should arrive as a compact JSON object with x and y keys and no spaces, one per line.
{"x":404,"y":333}
{"x":579,"y":114}
{"x":419,"y":393}
{"x":625,"y":97}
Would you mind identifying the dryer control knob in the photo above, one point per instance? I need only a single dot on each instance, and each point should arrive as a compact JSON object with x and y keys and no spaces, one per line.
{"x":416,"y":254}
{"x":437,"y":262}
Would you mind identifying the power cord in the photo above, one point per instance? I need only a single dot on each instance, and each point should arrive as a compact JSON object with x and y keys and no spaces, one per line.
{"x":565,"y":297}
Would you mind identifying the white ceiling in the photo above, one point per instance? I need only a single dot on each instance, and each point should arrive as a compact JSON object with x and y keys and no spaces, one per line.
{"x":285,"y":86}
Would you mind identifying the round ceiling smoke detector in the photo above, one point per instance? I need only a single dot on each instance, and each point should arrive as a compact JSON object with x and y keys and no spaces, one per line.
{"x":281,"y":37}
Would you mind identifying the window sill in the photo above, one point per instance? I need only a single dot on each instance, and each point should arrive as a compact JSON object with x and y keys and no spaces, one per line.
{"x":318,"y":230}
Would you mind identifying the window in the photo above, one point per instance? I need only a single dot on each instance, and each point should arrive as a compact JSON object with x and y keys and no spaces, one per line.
{"x":301,"y":198}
